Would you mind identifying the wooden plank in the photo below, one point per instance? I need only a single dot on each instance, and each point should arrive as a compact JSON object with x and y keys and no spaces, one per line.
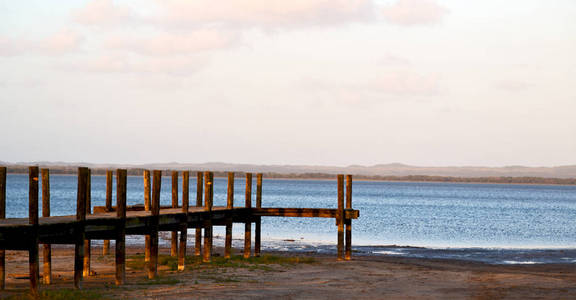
{"x":47,"y":248}
{"x":208,"y":193}
{"x":108,"y":207}
{"x":348,"y":222}
{"x":155,"y":207}
{"x":303,"y":212}
{"x":81,"y":218}
{"x":229,"y":223}
{"x":198,"y":233}
{"x":248,"y":225}
{"x":33,"y":262}
{"x":258,"y":220}
{"x":184,"y":225}
{"x":340,"y":217}
{"x":121,"y":229}
{"x":87,"y":246}
{"x":174,"y":239}
{"x":2,"y":217}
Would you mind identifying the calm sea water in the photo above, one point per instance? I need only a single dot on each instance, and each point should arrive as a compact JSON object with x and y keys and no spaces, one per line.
{"x":486,"y":222}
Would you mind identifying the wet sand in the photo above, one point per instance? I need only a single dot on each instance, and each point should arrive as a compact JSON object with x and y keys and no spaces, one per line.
{"x":365,"y":277}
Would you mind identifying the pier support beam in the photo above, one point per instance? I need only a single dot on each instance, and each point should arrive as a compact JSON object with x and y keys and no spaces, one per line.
{"x":87,"y":243}
{"x":155,"y":208}
{"x":174,"y":240}
{"x":208,"y":194}
{"x":248,"y":224}
{"x":121,"y":229}
{"x":198,"y":233}
{"x":33,"y":220}
{"x":147,"y":191}
{"x":348,"y":254}
{"x":47,"y":249}
{"x":340,"y":217}
{"x":184,"y":223}
{"x":229,"y":223}
{"x":2,"y":216}
{"x":81,"y":219}
{"x":258,"y":221}
{"x":109,"y":177}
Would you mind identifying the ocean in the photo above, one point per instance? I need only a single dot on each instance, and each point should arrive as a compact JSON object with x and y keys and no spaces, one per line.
{"x":492,"y":223}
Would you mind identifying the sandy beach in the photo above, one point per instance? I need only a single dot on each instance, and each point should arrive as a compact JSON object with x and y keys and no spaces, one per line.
{"x":285,"y":275}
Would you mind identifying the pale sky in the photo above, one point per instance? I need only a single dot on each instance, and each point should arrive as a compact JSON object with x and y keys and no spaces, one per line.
{"x":322,"y":82}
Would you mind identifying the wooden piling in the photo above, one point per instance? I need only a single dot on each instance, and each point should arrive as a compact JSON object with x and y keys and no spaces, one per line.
{"x":174,"y":240}
{"x":33,"y":220}
{"x":248,"y":224}
{"x":47,"y":249}
{"x":80,"y":218}
{"x":109,"y":177}
{"x":198,"y":233}
{"x":184,"y":224}
{"x":229,"y":223}
{"x":121,"y":230}
{"x":258,"y":220}
{"x":208,"y":194}
{"x":87,"y":246}
{"x":155,"y":208}
{"x":147,"y":191}
{"x":2,"y":216}
{"x":340,"y":217}
{"x":348,"y":254}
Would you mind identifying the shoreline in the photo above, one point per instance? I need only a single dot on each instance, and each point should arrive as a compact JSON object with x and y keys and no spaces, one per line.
{"x":318,"y":276}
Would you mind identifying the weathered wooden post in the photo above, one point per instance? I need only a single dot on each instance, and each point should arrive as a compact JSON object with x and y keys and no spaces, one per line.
{"x":155,"y":207}
{"x":208,"y":185}
{"x":33,"y":220}
{"x":147,"y":191}
{"x":47,"y":249}
{"x":258,"y":221}
{"x":80,"y":219}
{"x":340,"y":217}
{"x":229,"y":223}
{"x":184,"y":223}
{"x":109,"y":177}
{"x":198,"y":233}
{"x":348,"y":255}
{"x":121,"y":230}
{"x":2,"y":216}
{"x":248,"y":224}
{"x":87,"y":243}
{"x":174,"y":240}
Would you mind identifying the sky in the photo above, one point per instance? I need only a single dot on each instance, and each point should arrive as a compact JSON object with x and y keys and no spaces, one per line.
{"x":316,"y":82}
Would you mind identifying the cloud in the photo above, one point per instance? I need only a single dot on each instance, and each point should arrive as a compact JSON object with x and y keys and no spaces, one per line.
{"x":177,"y":66}
{"x":103,"y":12}
{"x":414,"y":12}
{"x":512,"y":85}
{"x":59,"y":43}
{"x":391,"y":60}
{"x":265,"y":13}
{"x":169,"y":44}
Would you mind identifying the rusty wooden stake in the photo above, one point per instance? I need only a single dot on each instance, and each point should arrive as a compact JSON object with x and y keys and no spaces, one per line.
{"x":340,"y":217}
{"x":47,"y":249}
{"x":155,"y":207}
{"x":174,"y":240}
{"x":109,"y":177}
{"x":208,"y":184}
{"x":248,"y":224}
{"x":229,"y":223}
{"x":121,"y":230}
{"x":2,"y":216}
{"x":258,"y":220}
{"x":33,"y":220}
{"x":198,"y":233}
{"x":147,"y":191}
{"x":348,"y":251}
{"x":184,"y":223}
{"x":81,"y":219}
{"x":87,"y":246}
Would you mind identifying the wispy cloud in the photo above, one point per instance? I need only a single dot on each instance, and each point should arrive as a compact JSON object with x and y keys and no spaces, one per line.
{"x":61,"y":42}
{"x":414,"y":12}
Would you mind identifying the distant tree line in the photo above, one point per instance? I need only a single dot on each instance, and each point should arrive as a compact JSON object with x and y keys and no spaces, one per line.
{"x":409,"y":178}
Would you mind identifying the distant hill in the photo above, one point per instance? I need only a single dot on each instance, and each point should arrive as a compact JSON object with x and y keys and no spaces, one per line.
{"x":393,"y":169}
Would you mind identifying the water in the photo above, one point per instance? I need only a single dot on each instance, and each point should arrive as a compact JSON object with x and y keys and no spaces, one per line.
{"x":484,"y":222}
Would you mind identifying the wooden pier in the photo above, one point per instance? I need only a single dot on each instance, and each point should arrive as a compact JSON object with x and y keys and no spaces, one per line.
{"x":115,"y":222}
